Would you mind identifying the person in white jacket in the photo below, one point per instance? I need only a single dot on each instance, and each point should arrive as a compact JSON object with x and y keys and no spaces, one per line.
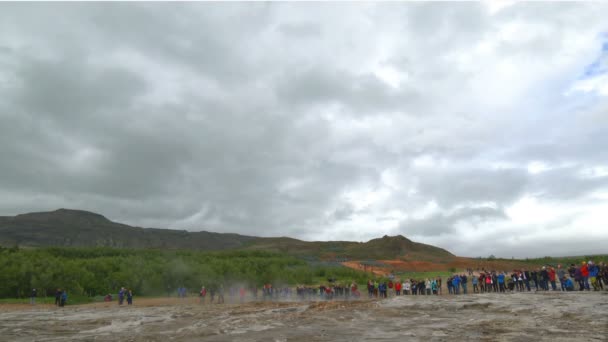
{"x":407,"y":287}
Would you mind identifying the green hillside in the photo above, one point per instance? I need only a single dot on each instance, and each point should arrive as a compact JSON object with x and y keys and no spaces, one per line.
{"x":77,"y":228}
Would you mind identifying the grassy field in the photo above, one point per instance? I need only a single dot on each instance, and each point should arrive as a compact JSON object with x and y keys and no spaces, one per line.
{"x":76,"y":299}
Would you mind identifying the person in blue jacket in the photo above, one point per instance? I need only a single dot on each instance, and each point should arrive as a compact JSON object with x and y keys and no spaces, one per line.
{"x":121,"y":295}
{"x":568,"y":284}
{"x":501,"y":281}
{"x":593,"y":273}
{"x":64,"y":298}
{"x":456,"y":283}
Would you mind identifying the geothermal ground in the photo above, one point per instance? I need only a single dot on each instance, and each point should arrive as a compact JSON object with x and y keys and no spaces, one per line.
{"x":481,"y":317}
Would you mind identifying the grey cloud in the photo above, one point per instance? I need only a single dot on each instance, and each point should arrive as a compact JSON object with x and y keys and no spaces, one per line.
{"x":302,"y":29}
{"x":364,"y":93}
{"x":451,"y":187}
{"x":241,"y":144}
{"x":73,"y":89}
{"x":440,"y":223}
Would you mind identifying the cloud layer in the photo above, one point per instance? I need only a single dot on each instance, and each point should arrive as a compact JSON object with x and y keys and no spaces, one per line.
{"x":480,"y":129}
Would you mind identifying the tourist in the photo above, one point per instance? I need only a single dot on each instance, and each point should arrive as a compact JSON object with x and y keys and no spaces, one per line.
{"x":593,"y":273}
{"x":129,"y":297}
{"x":534,"y":278}
{"x":33,"y":296}
{"x":561,"y":275}
{"x":439,"y":282}
{"x":407,"y":287}
{"x":58,"y":297}
{"x":501,"y":281}
{"x":488,"y":283}
{"x":64,"y":298}
{"x":475,"y":281}
{"x":121,"y":296}
{"x":202,"y":294}
{"x":456,"y":283}
{"x":551,"y":273}
{"x":242,"y":294}
{"x":578,"y":277}
{"x":526,"y":276}
{"x":220,"y":294}
{"x":585,"y":274}
{"x":568,"y":285}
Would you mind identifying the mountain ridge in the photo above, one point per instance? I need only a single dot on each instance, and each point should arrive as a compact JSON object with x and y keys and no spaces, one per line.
{"x":79,"y":228}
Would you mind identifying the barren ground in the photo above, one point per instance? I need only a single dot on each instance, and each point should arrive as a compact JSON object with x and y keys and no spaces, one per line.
{"x":482,"y":317}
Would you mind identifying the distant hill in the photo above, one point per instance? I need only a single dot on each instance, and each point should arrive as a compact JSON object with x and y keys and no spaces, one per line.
{"x":77,"y":228}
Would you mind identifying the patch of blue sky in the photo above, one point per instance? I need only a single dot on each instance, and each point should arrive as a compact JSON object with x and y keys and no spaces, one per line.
{"x":599,"y":65}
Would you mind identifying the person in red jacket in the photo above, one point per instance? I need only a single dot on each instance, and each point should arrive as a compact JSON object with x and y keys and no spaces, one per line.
{"x":398,"y":288}
{"x":585,"y":274}
{"x":552,"y":278}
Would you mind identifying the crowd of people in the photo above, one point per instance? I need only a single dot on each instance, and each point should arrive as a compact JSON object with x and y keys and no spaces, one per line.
{"x":587,"y":276}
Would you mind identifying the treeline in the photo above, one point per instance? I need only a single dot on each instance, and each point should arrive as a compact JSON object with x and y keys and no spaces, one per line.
{"x":98,"y":271}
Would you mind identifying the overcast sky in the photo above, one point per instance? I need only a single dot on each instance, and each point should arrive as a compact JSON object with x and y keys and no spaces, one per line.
{"x":482,"y":129}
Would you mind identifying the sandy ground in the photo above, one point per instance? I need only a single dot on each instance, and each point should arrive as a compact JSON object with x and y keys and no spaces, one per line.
{"x":482,"y":317}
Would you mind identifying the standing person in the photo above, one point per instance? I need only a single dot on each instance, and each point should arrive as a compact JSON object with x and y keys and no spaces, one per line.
{"x":439,"y":285}
{"x":488,"y":283}
{"x":202,"y":294}
{"x":33,"y":296}
{"x":456,"y":282}
{"x":64,"y":298}
{"x":398,"y":288}
{"x":58,"y":297}
{"x":561,"y":275}
{"x":526,"y":275}
{"x":534,"y":278}
{"x":544,"y":279}
{"x":475,"y":281}
{"x":501,"y":281}
{"x":552,"y":278}
{"x":242,"y":294}
{"x":406,"y":287}
{"x":212,"y":293}
{"x":129,"y":297}
{"x":121,"y":296}
{"x":593,"y":273}
{"x":220,"y":294}
{"x":585,"y":273}
{"x":428,"y":287}
{"x":463,"y":280}
{"x":578,"y":277}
